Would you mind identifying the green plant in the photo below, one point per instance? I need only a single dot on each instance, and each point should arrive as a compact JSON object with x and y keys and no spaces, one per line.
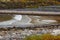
{"x":43,"y":37}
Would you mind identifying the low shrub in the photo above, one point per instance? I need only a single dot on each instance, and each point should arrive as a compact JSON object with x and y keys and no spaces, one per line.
{"x":43,"y":37}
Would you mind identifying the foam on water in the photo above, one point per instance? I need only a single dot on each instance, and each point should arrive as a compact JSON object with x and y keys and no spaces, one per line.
{"x":21,"y":19}
{"x":18,"y":17}
{"x":48,"y":21}
{"x":56,"y":32}
{"x":15,"y":18}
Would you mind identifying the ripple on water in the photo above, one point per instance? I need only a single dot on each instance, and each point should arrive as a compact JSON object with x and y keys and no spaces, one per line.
{"x":24,"y":19}
{"x":14,"y":19}
{"x":17,"y":17}
{"x":5,"y":17}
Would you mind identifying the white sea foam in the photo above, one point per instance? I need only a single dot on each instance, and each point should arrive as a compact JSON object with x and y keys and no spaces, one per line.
{"x":56,"y":32}
{"x":24,"y":20}
{"x":48,"y":21}
{"x":18,"y":17}
{"x":15,"y":18}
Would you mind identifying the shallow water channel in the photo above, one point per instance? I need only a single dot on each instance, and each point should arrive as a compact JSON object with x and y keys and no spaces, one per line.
{"x":25,"y":19}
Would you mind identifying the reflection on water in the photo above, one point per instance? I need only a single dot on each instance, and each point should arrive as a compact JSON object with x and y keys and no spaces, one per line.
{"x":5,"y":17}
{"x":9,"y":19}
{"x":25,"y":19}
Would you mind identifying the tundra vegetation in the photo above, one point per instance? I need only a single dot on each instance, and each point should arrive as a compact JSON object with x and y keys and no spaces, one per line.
{"x":8,"y":4}
{"x":43,"y":37}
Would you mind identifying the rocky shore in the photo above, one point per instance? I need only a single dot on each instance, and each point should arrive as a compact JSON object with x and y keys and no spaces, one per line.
{"x":18,"y":30}
{"x":20,"y":34}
